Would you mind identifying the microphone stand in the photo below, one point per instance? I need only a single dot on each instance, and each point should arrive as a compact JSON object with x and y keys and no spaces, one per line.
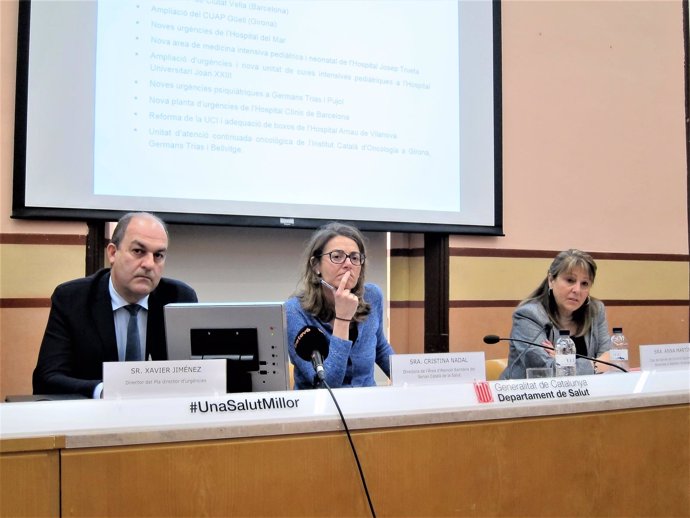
{"x":352,"y":446}
{"x":552,"y":349}
{"x":577,"y":355}
{"x":317,"y":382}
{"x":523,"y":353}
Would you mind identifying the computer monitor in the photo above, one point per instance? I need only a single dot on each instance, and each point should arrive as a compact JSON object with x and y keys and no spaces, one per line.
{"x":251,"y":336}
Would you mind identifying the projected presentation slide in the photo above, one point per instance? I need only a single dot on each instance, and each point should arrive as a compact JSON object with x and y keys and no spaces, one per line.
{"x":372,"y":110}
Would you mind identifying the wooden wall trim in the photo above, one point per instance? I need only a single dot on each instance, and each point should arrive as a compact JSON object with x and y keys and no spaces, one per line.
{"x":25,"y":303}
{"x":550,"y":254}
{"x":539,"y":254}
{"x":607,"y":303}
{"x":406,"y":252}
{"x":42,"y":239}
{"x":396,"y":304}
{"x":407,"y":304}
{"x":454,"y":304}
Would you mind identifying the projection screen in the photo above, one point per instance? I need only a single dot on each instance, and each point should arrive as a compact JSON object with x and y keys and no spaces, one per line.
{"x":385,"y":113}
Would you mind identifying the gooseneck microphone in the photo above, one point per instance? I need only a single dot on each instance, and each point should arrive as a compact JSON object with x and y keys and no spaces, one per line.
{"x":493,"y":339}
{"x":311,"y":344}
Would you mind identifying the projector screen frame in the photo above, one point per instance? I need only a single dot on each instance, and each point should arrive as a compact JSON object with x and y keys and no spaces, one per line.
{"x":21,"y":210}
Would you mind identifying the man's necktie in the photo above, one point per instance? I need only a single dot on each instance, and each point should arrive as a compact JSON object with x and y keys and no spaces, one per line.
{"x":133,"y":350}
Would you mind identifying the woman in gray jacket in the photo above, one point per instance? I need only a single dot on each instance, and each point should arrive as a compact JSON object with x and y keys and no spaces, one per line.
{"x":561,"y":301}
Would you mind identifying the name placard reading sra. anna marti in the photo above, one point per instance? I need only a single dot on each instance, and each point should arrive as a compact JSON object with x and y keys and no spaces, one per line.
{"x":164,"y":378}
{"x":665,"y":357}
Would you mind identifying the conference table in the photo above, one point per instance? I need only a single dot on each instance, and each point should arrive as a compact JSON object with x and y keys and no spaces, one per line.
{"x":605,"y":445}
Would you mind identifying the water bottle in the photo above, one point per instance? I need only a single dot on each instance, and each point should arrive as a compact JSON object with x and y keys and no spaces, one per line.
{"x":619,"y":349}
{"x":565,"y":354}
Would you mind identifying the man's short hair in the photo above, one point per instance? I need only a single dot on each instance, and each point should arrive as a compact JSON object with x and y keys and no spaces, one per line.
{"x":124,"y":221}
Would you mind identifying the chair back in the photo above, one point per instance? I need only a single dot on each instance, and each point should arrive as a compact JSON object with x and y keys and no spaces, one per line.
{"x":494,"y":368}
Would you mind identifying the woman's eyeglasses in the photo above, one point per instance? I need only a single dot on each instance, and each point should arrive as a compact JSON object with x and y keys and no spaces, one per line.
{"x":339,"y":256}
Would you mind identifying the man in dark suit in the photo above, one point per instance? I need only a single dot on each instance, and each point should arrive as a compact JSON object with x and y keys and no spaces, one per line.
{"x":89,"y":317}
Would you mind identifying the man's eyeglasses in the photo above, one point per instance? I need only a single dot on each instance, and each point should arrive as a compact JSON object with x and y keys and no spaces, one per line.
{"x":339,"y":256}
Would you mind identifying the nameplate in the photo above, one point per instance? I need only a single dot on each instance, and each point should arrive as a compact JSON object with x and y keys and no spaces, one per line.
{"x":437,"y":368}
{"x":665,"y":357}
{"x":164,"y":378}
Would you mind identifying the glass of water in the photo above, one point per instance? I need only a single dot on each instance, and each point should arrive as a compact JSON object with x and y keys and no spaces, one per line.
{"x":539,"y":372}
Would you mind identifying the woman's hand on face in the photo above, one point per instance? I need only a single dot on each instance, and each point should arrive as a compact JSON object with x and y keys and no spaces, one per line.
{"x":345,"y":302}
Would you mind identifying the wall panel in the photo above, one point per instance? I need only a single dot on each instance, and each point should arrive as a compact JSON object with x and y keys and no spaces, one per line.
{"x":30,"y":271}
{"x":21,"y":332}
{"x":594,"y":156}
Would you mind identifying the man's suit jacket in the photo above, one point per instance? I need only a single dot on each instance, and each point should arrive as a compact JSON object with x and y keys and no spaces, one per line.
{"x":80,"y":334}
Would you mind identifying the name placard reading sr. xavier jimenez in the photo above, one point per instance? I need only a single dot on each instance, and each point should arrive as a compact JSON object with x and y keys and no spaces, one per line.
{"x":164,"y":378}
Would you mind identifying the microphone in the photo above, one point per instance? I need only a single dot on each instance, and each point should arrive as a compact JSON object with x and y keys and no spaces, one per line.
{"x":493,"y":339}
{"x":311,"y":345}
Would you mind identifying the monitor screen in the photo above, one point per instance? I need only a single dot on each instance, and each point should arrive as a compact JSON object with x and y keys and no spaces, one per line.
{"x":250,"y":336}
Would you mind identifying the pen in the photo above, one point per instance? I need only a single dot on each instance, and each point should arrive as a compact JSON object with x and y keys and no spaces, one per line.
{"x":328,"y":285}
